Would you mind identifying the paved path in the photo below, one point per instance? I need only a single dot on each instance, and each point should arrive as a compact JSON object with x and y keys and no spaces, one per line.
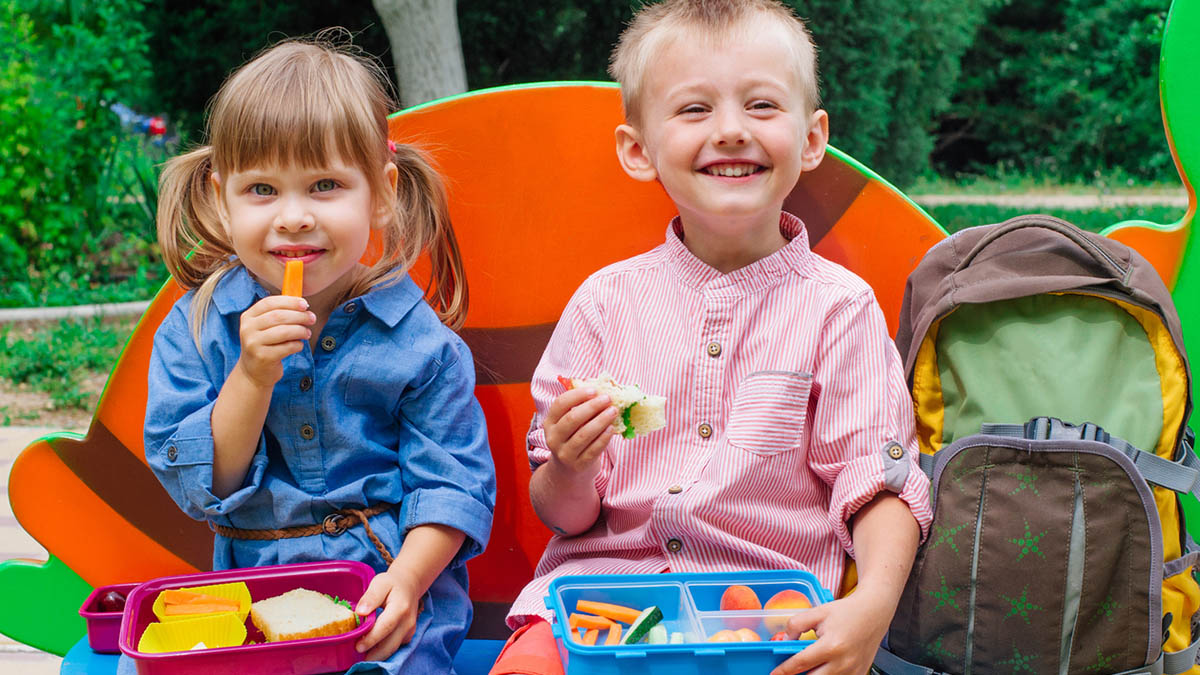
{"x":17,"y":658}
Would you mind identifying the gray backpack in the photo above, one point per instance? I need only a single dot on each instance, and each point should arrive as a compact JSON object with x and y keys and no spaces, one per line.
{"x":1056,"y":546}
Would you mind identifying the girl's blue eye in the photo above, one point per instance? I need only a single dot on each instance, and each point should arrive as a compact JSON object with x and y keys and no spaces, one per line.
{"x":262,"y":189}
{"x":325,"y":185}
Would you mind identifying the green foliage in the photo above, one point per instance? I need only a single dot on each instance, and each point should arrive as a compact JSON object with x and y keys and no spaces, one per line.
{"x":54,"y":359}
{"x":62,"y":222}
{"x":1065,"y":88}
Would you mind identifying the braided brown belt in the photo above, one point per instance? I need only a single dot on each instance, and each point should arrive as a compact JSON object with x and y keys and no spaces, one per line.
{"x":333,"y":525}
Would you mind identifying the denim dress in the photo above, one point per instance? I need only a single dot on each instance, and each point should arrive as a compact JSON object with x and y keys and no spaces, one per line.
{"x":382,"y":411}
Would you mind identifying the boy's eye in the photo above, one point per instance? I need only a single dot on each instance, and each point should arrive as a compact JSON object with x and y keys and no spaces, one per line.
{"x":692,"y":109}
{"x":762,"y":105}
{"x":325,"y":185}
{"x":262,"y":189}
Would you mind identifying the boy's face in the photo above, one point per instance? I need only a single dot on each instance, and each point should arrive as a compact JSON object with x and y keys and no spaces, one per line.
{"x":726,"y":129}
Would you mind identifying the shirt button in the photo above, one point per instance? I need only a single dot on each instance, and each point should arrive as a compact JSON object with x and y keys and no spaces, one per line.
{"x":895,"y":451}
{"x":172,"y":453}
{"x":307,"y":432}
{"x":328,"y":343}
{"x":674,"y":545}
{"x":675,"y":489}
{"x":704,"y":430}
{"x":714,"y":349}
{"x":305,"y":383}
{"x":350,"y":307}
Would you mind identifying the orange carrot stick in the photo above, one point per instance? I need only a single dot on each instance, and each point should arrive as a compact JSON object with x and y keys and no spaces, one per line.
{"x":293,"y":278}
{"x":608,"y":611}
{"x":589,"y":638}
{"x":180,"y":610}
{"x":588,"y":621}
{"x":614,"y":635}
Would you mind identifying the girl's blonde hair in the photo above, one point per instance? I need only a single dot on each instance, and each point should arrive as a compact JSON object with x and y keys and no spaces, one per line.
{"x":654,"y":24}
{"x":305,"y":102}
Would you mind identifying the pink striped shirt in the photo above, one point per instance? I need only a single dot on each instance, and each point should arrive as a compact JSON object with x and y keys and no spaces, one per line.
{"x":784,"y":394}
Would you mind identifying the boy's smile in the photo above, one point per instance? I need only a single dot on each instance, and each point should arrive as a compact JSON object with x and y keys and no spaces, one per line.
{"x":726,"y":129}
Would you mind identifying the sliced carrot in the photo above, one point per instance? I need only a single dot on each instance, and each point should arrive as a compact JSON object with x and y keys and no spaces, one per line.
{"x":180,"y":610}
{"x":589,"y":638}
{"x":588,"y":621}
{"x":293,"y":278}
{"x":614,"y":635}
{"x":608,"y":611}
{"x":182,"y":597}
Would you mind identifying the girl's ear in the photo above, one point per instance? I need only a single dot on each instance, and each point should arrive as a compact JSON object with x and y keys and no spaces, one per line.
{"x":214,"y":179}
{"x":816,"y":141}
{"x":631,"y":152}
{"x":391,"y":179}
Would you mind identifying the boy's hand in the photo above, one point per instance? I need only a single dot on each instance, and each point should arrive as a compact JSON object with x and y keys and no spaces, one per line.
{"x":849,"y":631}
{"x":399,"y":595}
{"x":578,"y":427}
{"x":273,"y":328}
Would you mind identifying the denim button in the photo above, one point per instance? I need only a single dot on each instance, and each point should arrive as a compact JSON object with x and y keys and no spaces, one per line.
{"x":307,"y":432}
{"x":172,"y":453}
{"x":328,"y":343}
{"x":350,"y":307}
{"x":305,"y":383}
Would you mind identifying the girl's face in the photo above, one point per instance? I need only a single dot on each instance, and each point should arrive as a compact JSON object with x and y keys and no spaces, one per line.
{"x":322,"y":216}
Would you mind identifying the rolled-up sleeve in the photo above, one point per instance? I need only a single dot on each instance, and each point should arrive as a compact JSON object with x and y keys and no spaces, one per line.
{"x":863,"y":432}
{"x":446,"y":463}
{"x":178,"y":429}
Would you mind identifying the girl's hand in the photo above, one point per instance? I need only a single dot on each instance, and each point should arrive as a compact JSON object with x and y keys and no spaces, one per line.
{"x":578,"y":426}
{"x":849,"y":631}
{"x":273,"y":328}
{"x":400,"y":596}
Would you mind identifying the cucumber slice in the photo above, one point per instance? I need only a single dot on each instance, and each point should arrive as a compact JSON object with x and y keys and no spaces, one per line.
{"x":642,"y":625}
{"x":657,"y":635}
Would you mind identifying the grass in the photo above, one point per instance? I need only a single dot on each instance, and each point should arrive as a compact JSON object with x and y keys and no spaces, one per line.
{"x":955,"y":217}
{"x":1003,"y":180}
{"x":54,"y":357}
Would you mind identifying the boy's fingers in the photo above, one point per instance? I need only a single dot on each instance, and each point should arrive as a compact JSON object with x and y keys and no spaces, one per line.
{"x":564,"y":403}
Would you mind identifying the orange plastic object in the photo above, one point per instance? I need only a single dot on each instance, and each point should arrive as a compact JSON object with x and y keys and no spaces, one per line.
{"x":293,"y":278}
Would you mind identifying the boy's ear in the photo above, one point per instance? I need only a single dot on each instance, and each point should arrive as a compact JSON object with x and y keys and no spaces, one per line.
{"x":816,"y":141}
{"x":631,"y":152}
{"x":383,"y":212}
{"x":214,"y":179}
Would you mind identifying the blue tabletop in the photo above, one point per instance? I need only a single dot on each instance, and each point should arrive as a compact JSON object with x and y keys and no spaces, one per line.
{"x":475,"y":658}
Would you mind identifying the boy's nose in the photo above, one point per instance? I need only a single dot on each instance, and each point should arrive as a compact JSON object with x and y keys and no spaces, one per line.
{"x":731,"y":129}
{"x":293,"y":216}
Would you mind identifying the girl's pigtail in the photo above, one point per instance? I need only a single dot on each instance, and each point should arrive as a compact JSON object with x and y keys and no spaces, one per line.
{"x":425,"y":225}
{"x":193,"y":242}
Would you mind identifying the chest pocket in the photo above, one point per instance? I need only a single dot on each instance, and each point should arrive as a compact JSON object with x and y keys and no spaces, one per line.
{"x":769,"y":411}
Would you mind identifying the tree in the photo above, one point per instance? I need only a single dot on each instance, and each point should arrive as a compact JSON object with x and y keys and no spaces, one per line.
{"x":426,"y":49}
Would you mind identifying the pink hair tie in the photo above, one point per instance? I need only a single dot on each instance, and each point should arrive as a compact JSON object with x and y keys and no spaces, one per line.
{"x":392,"y":146}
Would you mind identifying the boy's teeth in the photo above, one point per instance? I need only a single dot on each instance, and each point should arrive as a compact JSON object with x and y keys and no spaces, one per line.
{"x":732,"y":170}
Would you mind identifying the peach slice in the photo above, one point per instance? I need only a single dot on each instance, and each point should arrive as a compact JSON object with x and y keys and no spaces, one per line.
{"x":748,"y":635}
{"x":785,"y":599}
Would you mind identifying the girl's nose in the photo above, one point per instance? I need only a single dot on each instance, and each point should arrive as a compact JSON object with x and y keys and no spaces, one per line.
{"x":294,"y":216}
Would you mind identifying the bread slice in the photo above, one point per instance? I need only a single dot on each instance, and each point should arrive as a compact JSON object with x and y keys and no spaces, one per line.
{"x":299,"y":614}
{"x":641,"y":413}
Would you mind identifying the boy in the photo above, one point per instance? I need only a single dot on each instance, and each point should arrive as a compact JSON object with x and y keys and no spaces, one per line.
{"x":789,"y":439}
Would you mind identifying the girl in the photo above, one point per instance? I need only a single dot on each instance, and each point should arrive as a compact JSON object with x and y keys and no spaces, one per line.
{"x":341,"y":424}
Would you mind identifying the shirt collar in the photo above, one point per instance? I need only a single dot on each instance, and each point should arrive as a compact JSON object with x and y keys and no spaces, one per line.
{"x":758,"y":274}
{"x":238,"y":290}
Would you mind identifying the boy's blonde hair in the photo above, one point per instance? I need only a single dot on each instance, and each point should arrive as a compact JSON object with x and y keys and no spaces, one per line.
{"x":641,"y":41}
{"x":306,"y":102}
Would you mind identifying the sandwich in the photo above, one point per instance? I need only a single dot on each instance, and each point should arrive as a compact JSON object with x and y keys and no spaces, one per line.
{"x":640,"y":413}
{"x":299,"y":614}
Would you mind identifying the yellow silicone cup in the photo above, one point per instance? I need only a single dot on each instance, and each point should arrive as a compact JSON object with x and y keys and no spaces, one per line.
{"x":214,"y":630}
{"x":235,"y":591}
